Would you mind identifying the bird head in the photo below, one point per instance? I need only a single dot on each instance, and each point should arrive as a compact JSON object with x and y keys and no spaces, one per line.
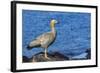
{"x":53,"y":22}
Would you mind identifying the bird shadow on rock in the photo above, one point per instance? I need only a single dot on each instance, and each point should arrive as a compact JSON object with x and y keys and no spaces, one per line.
{"x":39,"y":57}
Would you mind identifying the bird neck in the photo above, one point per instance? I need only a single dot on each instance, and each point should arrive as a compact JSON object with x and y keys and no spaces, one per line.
{"x":52,"y":24}
{"x":53,"y":28}
{"x":53,"y":31}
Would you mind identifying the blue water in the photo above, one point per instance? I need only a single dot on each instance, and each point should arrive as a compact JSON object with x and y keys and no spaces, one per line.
{"x":73,"y":31}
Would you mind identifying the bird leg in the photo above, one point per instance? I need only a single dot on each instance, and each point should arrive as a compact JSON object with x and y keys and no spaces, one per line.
{"x":46,"y":55}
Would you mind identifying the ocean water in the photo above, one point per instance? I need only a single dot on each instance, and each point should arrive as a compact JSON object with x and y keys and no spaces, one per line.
{"x":73,"y":31}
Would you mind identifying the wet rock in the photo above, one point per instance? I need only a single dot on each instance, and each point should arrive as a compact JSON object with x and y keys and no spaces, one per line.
{"x":89,"y":53}
{"x":53,"y":57}
{"x":25,"y":59}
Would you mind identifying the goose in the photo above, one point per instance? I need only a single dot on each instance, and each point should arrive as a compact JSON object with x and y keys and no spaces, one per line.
{"x":45,"y":40}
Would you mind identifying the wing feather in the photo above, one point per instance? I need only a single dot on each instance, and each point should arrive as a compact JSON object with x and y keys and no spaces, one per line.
{"x":46,"y":39}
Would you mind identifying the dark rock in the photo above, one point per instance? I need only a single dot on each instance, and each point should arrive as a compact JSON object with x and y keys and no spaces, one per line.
{"x":56,"y":56}
{"x":89,"y":53}
{"x":40,"y":57}
{"x":53,"y":57}
{"x":25,"y":59}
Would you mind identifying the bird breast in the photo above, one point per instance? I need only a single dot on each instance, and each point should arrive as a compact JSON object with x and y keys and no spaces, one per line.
{"x":47,"y":39}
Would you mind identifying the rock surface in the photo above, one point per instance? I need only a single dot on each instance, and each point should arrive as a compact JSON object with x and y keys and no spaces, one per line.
{"x":40,"y":57}
{"x":56,"y":56}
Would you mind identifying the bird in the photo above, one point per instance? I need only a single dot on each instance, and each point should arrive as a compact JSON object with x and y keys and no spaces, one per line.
{"x":45,"y":40}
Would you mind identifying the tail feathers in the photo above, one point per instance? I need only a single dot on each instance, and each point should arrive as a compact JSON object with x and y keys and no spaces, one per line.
{"x":34,"y":43}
